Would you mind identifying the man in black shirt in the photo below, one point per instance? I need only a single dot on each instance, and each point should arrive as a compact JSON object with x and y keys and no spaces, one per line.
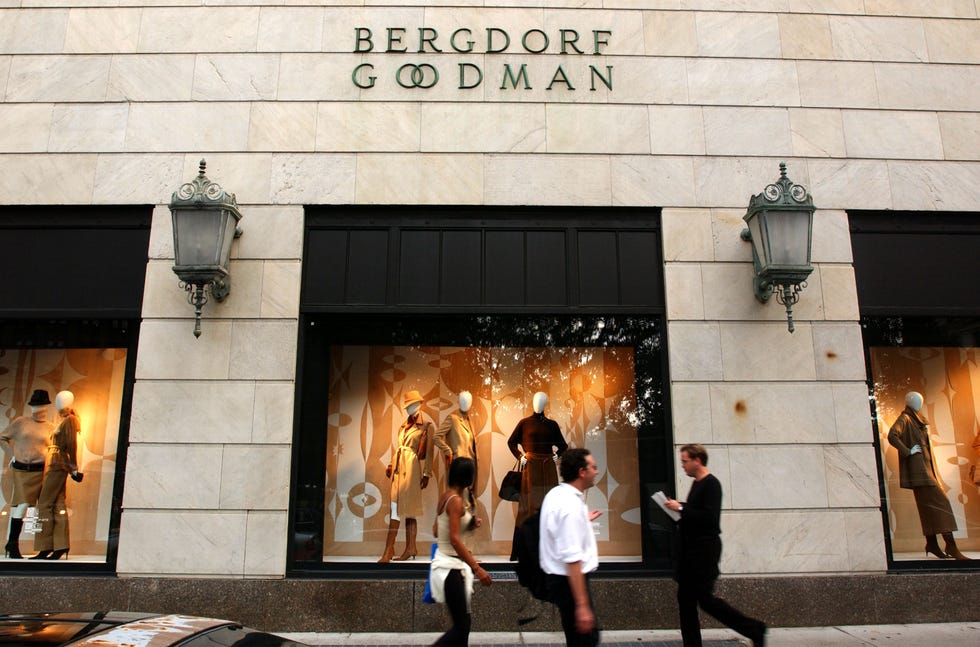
{"x":700,"y":552}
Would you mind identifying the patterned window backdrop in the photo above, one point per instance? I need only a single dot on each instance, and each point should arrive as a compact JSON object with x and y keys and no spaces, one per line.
{"x":604,"y":379}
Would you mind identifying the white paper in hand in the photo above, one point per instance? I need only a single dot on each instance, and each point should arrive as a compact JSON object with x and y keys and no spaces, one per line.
{"x":661,"y":500}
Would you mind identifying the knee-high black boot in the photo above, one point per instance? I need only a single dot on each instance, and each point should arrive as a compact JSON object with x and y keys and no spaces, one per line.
{"x":932,"y":546}
{"x":951,"y":548}
{"x":12,"y":549}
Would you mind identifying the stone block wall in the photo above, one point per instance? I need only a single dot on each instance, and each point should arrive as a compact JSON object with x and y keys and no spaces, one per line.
{"x":785,"y":417}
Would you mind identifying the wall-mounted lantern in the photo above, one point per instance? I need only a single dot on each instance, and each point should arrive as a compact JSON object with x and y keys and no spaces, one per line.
{"x":205,"y":220}
{"x":780,"y":228}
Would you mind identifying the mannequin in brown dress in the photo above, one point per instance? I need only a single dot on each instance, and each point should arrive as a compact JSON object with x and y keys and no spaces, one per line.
{"x":917,"y":472}
{"x":541,"y":441}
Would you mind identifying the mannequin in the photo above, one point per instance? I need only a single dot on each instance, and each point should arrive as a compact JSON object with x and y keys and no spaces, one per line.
{"x":456,"y":436}
{"x":27,"y":439}
{"x":917,"y":472}
{"x":409,"y":473}
{"x":52,"y":513}
{"x":541,"y":442}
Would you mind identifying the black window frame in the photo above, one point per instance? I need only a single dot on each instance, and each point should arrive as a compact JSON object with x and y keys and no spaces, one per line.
{"x":914,"y":300}
{"x":85,"y":323}
{"x":323,"y":324}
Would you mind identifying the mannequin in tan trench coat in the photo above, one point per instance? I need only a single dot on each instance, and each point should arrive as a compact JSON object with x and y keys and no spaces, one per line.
{"x":409,"y":472}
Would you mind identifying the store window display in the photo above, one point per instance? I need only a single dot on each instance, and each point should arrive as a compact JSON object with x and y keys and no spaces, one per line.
{"x":925,"y":437}
{"x":89,"y":387}
{"x":477,"y":398}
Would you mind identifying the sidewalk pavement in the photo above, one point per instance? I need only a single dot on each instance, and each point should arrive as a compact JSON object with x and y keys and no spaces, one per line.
{"x":959,"y":634}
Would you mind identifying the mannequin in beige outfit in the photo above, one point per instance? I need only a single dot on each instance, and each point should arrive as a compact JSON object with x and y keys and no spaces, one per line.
{"x":456,"y":436}
{"x":409,"y":473}
{"x":27,"y":440}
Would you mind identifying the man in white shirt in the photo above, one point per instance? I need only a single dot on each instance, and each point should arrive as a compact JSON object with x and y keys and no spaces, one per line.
{"x":567,"y":550}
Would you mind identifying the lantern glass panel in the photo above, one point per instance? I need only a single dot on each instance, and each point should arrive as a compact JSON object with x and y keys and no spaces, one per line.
{"x":758,"y":236}
{"x":789,"y":237}
{"x":198,"y":236}
{"x":227,"y":236}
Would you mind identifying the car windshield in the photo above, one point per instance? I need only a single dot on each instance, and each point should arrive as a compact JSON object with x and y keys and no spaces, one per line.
{"x":48,"y":631}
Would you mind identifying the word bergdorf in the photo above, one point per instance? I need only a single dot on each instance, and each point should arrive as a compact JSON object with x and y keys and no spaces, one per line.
{"x":423,"y":74}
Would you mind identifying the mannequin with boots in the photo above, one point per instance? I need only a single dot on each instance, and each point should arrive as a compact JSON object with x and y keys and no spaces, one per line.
{"x":917,"y":472}
{"x":409,"y":472}
{"x":26,"y":439}
{"x":456,"y":437}
{"x":52,"y":541}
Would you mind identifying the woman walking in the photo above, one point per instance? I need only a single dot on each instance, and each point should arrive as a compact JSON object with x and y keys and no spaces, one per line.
{"x":453,"y":567}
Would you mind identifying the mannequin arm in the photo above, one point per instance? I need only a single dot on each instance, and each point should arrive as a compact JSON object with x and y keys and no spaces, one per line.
{"x":514,"y":441}
{"x":72,"y":429}
{"x":559,"y":441}
{"x":440,"y":437}
{"x":429,"y":440}
{"x":896,"y":437}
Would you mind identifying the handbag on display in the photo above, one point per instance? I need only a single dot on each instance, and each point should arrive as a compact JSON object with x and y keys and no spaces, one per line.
{"x":510,"y":487}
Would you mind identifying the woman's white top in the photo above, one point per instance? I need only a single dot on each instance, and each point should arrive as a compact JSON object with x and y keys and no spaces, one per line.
{"x":446,"y":559}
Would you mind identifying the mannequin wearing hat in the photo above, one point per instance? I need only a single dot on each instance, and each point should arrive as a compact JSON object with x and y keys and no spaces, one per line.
{"x":917,"y":472}
{"x":541,"y":441}
{"x":62,"y":461}
{"x":26,"y":439}
{"x":409,"y":472}
{"x":456,"y":436}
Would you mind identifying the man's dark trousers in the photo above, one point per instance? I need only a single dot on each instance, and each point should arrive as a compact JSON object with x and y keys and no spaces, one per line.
{"x":561,"y":594}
